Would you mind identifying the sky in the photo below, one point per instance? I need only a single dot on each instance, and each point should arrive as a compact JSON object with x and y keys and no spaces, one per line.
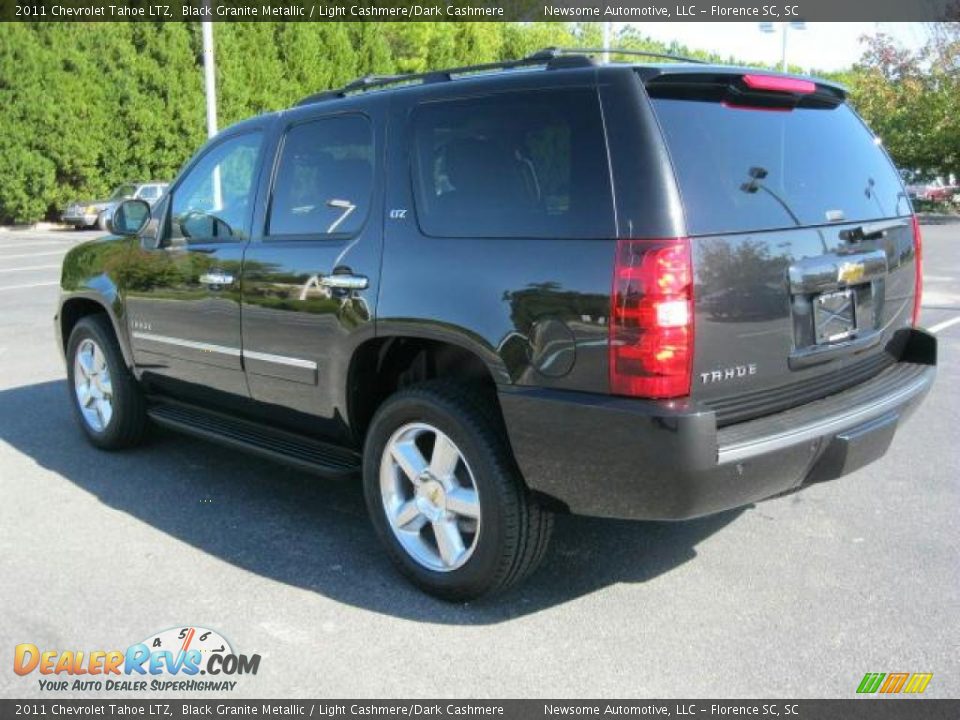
{"x":824,"y":46}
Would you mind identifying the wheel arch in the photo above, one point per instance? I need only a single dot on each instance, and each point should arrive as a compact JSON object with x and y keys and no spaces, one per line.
{"x":399,"y":360}
{"x":77,"y":306}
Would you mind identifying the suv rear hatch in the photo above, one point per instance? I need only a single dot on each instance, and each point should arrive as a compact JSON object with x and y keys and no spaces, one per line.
{"x":802,"y":239}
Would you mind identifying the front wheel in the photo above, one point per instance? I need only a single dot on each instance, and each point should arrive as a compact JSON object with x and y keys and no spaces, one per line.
{"x":105,"y":396}
{"x":445,"y":495}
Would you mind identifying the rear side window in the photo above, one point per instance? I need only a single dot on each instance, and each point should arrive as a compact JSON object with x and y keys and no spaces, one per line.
{"x":743,"y":169}
{"x":513,"y":165}
{"x":324,"y":180}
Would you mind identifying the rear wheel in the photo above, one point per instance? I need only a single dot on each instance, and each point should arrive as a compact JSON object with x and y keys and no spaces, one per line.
{"x":445,"y":495}
{"x":104,"y":394}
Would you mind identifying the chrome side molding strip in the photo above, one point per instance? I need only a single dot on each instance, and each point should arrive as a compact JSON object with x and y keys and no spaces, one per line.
{"x":280,"y":359}
{"x":224,"y":350}
{"x":192,"y":344}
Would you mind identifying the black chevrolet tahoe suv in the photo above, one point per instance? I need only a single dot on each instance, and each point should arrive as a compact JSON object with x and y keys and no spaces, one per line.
{"x":649,"y":291}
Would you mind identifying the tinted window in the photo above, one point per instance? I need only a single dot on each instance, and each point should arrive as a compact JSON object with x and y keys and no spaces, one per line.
{"x":213,"y":201}
{"x":512,"y":165}
{"x":747,"y":169}
{"x":324,"y":179}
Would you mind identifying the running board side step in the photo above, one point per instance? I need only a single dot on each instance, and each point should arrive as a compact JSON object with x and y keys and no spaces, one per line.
{"x":301,"y":452}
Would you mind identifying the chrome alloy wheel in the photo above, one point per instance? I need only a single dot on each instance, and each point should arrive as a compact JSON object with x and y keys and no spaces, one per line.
{"x":432,"y":504}
{"x":91,"y":383}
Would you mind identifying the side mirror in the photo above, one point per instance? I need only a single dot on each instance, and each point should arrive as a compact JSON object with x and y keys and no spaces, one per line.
{"x":130,"y":217}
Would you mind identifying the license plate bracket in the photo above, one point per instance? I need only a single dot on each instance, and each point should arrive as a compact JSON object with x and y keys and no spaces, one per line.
{"x":835,"y":316}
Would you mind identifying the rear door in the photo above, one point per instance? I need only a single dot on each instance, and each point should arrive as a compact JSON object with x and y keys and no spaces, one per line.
{"x":801,"y":235}
{"x":311,"y":274}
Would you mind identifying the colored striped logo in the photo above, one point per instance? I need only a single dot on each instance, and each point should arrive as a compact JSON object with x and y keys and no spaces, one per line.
{"x":889,"y":683}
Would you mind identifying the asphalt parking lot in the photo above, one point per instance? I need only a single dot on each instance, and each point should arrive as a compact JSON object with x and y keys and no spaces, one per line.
{"x":794,"y":597}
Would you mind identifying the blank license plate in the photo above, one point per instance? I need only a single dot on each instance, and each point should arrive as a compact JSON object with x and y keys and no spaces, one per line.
{"x":835,"y":316}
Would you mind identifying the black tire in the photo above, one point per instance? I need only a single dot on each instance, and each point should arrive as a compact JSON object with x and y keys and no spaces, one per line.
{"x":127,"y":425}
{"x":514,"y":530}
{"x":103,"y":222}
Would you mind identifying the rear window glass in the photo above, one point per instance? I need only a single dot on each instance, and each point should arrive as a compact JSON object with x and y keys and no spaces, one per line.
{"x":513,"y":165}
{"x":324,"y":179}
{"x":750,"y":169}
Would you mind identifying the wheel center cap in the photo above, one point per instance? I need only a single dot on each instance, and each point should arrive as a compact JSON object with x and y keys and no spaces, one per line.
{"x":431,"y":499}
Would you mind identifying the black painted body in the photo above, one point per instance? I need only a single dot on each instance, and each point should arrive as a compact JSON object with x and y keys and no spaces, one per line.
{"x":534,"y":311}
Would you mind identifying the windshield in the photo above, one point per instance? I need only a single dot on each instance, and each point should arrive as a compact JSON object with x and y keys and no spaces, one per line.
{"x":743,"y":169}
{"x":123,"y":191}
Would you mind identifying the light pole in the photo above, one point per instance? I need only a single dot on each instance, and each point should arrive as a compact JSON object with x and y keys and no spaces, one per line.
{"x":768,"y":27}
{"x":606,"y":43}
{"x":210,"y":90}
{"x":209,"y":77}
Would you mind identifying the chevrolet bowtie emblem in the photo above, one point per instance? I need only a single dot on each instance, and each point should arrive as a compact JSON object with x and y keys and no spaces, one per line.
{"x":850,"y":272}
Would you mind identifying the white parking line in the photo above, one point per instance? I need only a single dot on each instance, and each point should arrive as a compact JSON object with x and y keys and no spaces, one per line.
{"x":31,"y":285}
{"x":943,"y":325}
{"x":32,"y":267}
{"x":7,"y":246}
{"x":29,"y":255}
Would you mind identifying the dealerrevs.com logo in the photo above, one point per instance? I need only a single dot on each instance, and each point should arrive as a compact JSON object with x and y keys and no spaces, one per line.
{"x":177,"y":659}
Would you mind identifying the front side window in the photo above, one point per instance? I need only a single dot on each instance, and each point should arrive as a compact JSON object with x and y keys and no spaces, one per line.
{"x":513,"y":165}
{"x":324,"y":179}
{"x":213,"y":201}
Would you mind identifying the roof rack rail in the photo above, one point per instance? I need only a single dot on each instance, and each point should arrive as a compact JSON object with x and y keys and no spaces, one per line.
{"x":558,"y":52}
{"x":552,"y":58}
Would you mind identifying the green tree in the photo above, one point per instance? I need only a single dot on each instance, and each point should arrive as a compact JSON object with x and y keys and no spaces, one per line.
{"x":84,"y":106}
{"x":911,"y":100}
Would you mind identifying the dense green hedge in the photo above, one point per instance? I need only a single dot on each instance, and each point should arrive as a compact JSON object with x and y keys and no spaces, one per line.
{"x":84,"y":106}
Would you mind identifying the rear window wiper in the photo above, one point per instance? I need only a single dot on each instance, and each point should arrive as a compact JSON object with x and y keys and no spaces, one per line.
{"x":871,"y":231}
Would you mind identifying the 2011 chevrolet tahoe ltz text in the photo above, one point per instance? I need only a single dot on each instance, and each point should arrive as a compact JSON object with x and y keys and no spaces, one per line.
{"x":496,"y":293}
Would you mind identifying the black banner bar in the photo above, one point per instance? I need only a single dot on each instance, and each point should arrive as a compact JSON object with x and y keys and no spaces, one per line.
{"x":160,"y":709}
{"x":477,"y":10}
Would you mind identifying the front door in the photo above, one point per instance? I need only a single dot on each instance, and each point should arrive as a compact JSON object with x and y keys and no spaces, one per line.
{"x":310,"y":280}
{"x":183,"y":293}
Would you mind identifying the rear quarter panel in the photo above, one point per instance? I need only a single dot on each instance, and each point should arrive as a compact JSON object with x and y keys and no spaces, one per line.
{"x":534,"y":309}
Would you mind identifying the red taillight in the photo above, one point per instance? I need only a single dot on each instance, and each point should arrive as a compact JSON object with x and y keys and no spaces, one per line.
{"x":651,"y":319}
{"x":918,"y":271}
{"x":779,"y":84}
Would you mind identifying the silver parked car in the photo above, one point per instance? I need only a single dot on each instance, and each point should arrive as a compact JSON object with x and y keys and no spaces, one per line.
{"x":90,"y":213}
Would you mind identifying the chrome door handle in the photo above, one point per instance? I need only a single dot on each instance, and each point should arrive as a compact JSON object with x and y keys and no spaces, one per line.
{"x":345,"y":282}
{"x":216,"y":278}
